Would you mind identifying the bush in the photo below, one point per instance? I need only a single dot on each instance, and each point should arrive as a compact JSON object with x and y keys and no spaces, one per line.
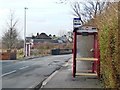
{"x":109,"y":39}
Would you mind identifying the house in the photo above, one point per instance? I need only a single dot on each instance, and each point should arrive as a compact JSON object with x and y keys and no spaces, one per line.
{"x":44,"y":38}
{"x":40,"y":38}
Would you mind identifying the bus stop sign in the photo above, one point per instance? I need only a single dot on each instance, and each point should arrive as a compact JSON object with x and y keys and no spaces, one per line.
{"x":76,"y":22}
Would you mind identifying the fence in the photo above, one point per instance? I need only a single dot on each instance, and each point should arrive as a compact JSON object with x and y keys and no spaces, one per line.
{"x":9,"y":55}
{"x":61,"y":51}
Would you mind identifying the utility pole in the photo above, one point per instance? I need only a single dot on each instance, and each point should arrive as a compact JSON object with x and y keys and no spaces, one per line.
{"x":25,"y":31}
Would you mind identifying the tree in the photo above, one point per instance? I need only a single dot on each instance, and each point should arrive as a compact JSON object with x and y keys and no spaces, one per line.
{"x":62,"y":33}
{"x":87,"y":10}
{"x":77,"y":11}
{"x":10,"y":37}
{"x":69,"y":36}
{"x":66,"y":34}
{"x":20,"y":44}
{"x":92,"y":8}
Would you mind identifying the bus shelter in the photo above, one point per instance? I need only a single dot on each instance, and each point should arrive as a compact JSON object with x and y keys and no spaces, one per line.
{"x":86,"y":49}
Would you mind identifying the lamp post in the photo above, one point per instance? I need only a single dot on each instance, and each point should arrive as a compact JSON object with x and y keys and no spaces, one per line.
{"x":25,"y":31}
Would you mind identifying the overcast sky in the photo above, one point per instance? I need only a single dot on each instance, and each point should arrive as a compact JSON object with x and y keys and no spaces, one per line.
{"x":42,"y":16}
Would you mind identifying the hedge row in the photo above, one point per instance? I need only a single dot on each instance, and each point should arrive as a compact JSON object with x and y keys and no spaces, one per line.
{"x":109,"y":39}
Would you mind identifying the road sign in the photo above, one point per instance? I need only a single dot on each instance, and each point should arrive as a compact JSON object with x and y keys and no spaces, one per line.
{"x":76,"y":22}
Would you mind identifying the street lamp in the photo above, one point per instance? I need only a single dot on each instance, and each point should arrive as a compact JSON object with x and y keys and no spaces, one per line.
{"x":25,"y":31}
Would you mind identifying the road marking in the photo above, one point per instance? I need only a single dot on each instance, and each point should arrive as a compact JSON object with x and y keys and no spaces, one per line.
{"x":23,"y":67}
{"x":8,"y":73}
{"x":67,"y":63}
{"x":48,"y":79}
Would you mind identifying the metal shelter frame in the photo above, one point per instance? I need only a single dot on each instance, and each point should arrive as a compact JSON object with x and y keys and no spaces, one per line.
{"x":95,"y":59}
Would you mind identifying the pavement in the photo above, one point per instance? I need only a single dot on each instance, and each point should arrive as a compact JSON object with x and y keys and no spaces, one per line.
{"x":62,"y":78}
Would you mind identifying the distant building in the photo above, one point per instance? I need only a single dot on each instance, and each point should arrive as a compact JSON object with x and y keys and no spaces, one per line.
{"x":44,"y":38}
{"x":40,"y":38}
{"x":62,"y":39}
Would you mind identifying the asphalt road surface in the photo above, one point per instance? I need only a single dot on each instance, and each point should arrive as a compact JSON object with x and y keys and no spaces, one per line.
{"x":29,"y":73}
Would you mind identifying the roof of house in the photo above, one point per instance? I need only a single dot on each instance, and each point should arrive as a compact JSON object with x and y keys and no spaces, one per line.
{"x":39,"y":38}
{"x":43,"y":36}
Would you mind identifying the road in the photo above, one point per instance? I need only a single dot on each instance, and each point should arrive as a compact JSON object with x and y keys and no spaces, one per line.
{"x":28,"y":73}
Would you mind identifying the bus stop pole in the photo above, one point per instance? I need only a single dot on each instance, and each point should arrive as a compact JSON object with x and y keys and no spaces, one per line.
{"x":74,"y":53}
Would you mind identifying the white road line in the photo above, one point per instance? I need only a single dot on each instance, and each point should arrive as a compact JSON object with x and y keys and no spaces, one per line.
{"x":48,"y":79}
{"x":23,"y":67}
{"x":8,"y":73}
{"x":66,"y":64}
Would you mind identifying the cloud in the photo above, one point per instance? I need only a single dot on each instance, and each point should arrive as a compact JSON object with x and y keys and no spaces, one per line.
{"x":42,"y":15}
{"x":3,"y":11}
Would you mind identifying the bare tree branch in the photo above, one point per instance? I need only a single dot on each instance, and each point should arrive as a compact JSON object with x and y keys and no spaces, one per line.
{"x":90,"y":9}
{"x":77,"y":10}
{"x":10,"y":36}
{"x":15,"y":23}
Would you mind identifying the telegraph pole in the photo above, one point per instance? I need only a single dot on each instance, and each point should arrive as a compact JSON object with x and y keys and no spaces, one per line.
{"x":25,"y":31}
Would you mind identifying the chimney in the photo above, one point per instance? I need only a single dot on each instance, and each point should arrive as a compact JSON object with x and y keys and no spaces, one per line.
{"x":37,"y":34}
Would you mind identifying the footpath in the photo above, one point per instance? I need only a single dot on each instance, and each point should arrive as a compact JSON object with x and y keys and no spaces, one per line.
{"x":62,"y":79}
